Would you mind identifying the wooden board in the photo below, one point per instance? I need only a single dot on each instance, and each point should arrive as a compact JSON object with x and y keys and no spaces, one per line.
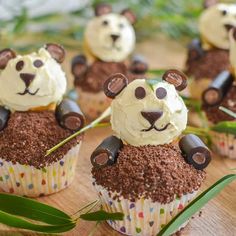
{"x":218,"y":217}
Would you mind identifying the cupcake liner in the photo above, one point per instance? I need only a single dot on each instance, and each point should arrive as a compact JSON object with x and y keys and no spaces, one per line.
{"x":224,"y":144}
{"x":142,"y":217}
{"x":28,"y":181}
{"x":92,"y":104}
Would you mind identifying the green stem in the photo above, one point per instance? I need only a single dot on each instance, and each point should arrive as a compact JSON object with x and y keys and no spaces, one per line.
{"x":93,"y":124}
{"x":85,"y":207}
{"x":227,"y":111}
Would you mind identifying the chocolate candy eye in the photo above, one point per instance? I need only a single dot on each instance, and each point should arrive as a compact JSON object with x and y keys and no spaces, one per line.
{"x":161,"y":93}
{"x":38,"y":63}
{"x":224,"y":12}
{"x":121,"y":26}
{"x":105,"y":23}
{"x":19,"y":65}
{"x":140,"y":93}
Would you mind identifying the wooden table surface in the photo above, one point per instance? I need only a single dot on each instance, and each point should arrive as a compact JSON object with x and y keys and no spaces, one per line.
{"x":218,"y":216}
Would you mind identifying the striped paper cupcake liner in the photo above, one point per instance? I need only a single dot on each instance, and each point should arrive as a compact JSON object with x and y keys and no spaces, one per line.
{"x":142,"y":217}
{"x":224,"y":144}
{"x":28,"y":181}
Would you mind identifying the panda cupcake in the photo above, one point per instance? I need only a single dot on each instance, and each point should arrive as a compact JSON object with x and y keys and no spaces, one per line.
{"x":109,"y":39}
{"x":33,"y":118}
{"x":209,"y":56}
{"x":222,"y":93}
{"x":147,"y":171}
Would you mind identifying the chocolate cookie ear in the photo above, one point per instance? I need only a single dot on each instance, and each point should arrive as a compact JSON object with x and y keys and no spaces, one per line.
{"x":57,"y":51}
{"x":102,"y":9}
{"x":233,"y":33}
{"x":129,"y":15}
{"x":209,"y":3}
{"x":114,"y":85}
{"x":5,"y":56}
{"x":177,"y":78}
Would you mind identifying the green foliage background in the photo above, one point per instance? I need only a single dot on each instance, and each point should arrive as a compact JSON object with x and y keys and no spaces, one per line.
{"x":176,"y":18}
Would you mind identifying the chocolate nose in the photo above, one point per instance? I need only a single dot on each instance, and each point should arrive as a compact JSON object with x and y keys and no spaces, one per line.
{"x":27,"y":78}
{"x":114,"y":37}
{"x":151,"y":116}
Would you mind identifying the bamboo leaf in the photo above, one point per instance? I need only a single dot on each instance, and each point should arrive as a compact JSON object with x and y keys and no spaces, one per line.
{"x":17,"y":222}
{"x":31,"y":209}
{"x":228,"y":112}
{"x":196,"y":205}
{"x":102,"y":216}
{"x":225,"y":127}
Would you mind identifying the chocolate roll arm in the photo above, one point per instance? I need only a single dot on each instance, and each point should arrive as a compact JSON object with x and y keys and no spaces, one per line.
{"x":195,"y":152}
{"x":195,"y":50}
{"x":79,"y":68}
{"x":69,"y":115}
{"x":106,"y":153}
{"x":4,"y":116}
{"x":216,"y":91}
{"x":138,"y":65}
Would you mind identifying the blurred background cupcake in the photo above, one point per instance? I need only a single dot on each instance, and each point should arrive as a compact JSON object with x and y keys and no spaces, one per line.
{"x":209,"y":55}
{"x":35,"y":117}
{"x":219,"y":105}
{"x":147,"y":171}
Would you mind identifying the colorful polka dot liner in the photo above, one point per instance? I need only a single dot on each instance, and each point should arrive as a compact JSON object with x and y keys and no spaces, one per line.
{"x":224,"y":144}
{"x":143,"y":217}
{"x":92,"y":104}
{"x":31,"y":182}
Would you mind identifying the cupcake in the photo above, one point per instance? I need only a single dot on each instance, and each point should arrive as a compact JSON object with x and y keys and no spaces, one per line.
{"x":109,"y":39}
{"x":222,"y":93}
{"x":33,"y":118}
{"x":209,"y":56}
{"x":147,"y":170}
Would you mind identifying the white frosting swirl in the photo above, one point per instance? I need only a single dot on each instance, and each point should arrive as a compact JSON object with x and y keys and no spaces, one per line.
{"x":98,"y":37}
{"x":128,"y":122}
{"x":214,"y":22}
{"x":49,"y":80}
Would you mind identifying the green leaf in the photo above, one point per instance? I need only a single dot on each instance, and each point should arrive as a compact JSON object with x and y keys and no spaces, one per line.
{"x":196,"y":205}
{"x":102,"y":216}
{"x":227,"y":111}
{"x":158,"y":72}
{"x":17,"y":222}
{"x":31,"y":209}
{"x":225,"y":127}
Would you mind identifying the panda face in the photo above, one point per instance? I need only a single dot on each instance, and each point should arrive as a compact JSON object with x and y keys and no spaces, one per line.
{"x":110,"y":37}
{"x":142,"y":115}
{"x":215,"y":23}
{"x":31,"y":81}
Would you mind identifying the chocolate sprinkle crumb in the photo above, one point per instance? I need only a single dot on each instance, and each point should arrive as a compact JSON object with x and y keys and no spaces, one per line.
{"x":29,"y":135}
{"x":209,"y":65}
{"x":156,"y":172}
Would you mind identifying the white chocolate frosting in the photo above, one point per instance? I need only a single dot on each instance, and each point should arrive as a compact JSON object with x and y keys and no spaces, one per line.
{"x":232,"y":51}
{"x":213,"y":24}
{"x":99,"y":41}
{"x":49,"y":83}
{"x":128,"y":122}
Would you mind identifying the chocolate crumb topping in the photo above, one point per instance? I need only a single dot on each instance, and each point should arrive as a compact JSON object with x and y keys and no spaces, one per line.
{"x":156,"y":172}
{"x":29,"y":135}
{"x":209,"y":65}
{"x":94,"y":78}
{"x":215,"y":115}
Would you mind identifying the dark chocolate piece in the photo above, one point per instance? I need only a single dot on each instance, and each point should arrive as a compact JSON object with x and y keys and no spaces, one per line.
{"x":177,"y":78}
{"x":140,"y":93}
{"x":161,"y":93}
{"x":38,"y":63}
{"x":79,"y":66}
{"x":106,"y":153}
{"x":195,"y":152}
{"x":57,"y":51}
{"x":69,"y":115}
{"x":138,"y":65}
{"x":214,"y":94}
{"x":20,"y":65}
{"x":4,"y":116}
{"x":102,"y":9}
{"x":6,"y":55}
{"x":115,"y":84}
{"x":195,"y":50}
{"x":131,"y":17}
